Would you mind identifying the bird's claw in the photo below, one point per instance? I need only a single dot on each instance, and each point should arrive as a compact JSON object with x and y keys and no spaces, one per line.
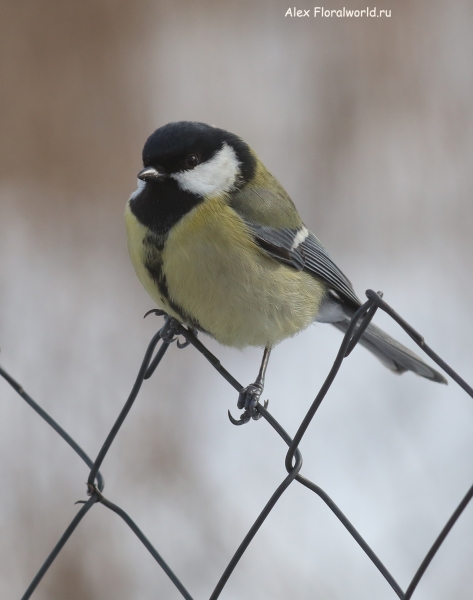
{"x":168,"y":331}
{"x":182,"y":345}
{"x":155,"y":311}
{"x":244,"y":418}
{"x":248,"y":399}
{"x":249,"y":396}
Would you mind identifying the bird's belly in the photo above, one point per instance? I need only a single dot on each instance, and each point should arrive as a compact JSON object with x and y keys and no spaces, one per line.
{"x":232,"y":289}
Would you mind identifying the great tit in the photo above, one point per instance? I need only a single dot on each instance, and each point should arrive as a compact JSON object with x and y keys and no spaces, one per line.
{"x":219,"y":245}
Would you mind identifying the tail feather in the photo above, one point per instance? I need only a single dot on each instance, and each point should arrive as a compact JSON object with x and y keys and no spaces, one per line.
{"x":391,"y":353}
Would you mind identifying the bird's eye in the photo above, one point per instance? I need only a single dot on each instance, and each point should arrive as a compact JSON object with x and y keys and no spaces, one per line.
{"x":192,"y":161}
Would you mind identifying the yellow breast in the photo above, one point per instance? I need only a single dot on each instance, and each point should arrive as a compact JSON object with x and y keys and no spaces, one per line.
{"x":230,"y":286}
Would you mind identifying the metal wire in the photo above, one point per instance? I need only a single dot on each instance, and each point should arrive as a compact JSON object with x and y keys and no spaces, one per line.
{"x":293,"y":462}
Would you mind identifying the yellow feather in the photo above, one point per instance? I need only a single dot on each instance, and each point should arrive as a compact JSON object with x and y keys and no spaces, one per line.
{"x":235,"y":291}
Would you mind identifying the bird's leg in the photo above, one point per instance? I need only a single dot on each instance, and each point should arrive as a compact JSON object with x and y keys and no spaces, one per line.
{"x":249,"y":396}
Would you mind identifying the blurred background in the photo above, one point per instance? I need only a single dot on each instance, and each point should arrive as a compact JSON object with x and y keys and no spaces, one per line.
{"x":368,"y":124}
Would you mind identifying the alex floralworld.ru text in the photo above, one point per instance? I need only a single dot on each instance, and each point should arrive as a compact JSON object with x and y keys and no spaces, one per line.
{"x":320,"y":11}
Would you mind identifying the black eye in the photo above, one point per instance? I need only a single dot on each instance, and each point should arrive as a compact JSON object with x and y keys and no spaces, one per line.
{"x":192,"y":161}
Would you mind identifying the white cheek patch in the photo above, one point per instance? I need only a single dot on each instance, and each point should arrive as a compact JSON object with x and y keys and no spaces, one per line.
{"x":300,"y":237}
{"x":137,"y":192}
{"x":217,"y":175}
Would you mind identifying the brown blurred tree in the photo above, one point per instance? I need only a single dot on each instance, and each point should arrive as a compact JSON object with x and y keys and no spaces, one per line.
{"x":69,"y":114}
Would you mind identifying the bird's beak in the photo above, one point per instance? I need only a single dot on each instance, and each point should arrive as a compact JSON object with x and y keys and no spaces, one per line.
{"x":150,"y":174}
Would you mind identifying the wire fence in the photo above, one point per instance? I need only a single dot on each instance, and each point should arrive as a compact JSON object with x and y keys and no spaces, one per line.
{"x":293,"y":462}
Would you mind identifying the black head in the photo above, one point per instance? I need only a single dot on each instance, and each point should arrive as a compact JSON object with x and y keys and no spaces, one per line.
{"x":217,"y":155}
{"x":185,"y":162}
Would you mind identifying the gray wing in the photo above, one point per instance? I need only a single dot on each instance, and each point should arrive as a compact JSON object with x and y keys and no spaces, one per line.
{"x":300,"y":249}
{"x":277,"y":229}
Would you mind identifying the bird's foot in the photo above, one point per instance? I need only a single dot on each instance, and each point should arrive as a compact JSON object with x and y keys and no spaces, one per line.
{"x":248,"y":400}
{"x":249,"y":397}
{"x":169,"y":331}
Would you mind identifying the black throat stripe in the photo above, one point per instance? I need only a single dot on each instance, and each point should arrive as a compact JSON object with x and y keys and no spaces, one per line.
{"x":153,"y":246}
{"x":160,"y":205}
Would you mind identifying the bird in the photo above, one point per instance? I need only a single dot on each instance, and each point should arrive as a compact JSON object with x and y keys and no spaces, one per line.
{"x":219,"y":246}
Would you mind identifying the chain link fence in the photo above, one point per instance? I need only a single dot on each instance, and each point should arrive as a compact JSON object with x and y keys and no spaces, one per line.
{"x":168,"y":334}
